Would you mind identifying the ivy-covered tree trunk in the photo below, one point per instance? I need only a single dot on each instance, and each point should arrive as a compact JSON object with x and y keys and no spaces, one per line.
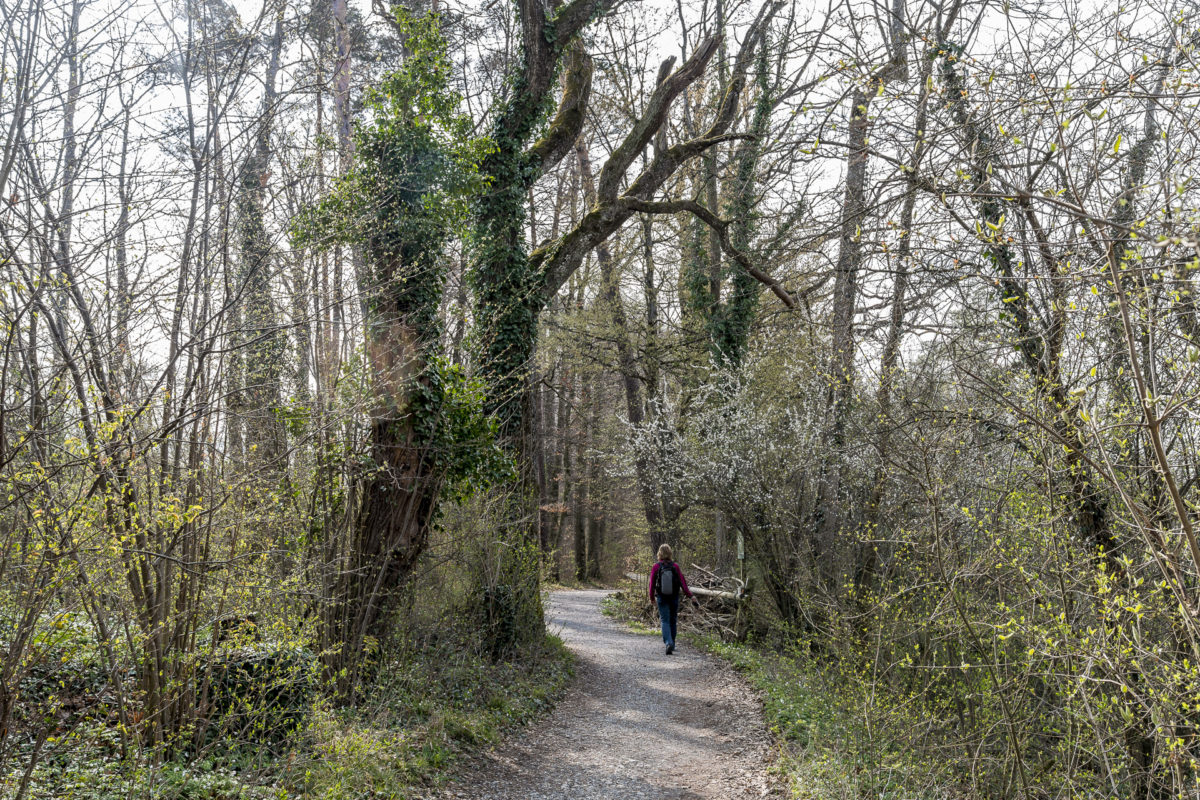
{"x":399,"y":496}
{"x":741,"y":301}
{"x":400,"y":204}
{"x":509,"y":292}
{"x":511,"y":286}
{"x":506,"y":310}
{"x":719,"y":296}
{"x":508,"y":287}
{"x":407,"y":407}
{"x":262,"y":340}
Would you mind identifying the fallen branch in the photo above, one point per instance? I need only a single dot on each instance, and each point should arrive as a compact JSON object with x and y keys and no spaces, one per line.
{"x":696,"y":590}
{"x":739,"y":590}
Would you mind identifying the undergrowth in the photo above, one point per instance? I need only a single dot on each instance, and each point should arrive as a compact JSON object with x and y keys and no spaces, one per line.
{"x":624,"y":605}
{"x":835,"y":738}
{"x":432,"y":700}
{"x":432,"y":703}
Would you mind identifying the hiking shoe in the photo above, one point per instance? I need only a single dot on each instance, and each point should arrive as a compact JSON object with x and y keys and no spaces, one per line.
{"x":670,"y":649}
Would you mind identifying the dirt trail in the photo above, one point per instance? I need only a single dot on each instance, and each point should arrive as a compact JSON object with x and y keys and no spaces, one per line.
{"x":636,"y":725}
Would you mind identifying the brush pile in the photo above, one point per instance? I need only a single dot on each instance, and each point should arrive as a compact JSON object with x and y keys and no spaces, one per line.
{"x":719,"y":600}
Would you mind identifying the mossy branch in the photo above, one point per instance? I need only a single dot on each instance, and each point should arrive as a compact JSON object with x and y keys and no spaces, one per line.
{"x":568,"y":121}
{"x":558,"y":260}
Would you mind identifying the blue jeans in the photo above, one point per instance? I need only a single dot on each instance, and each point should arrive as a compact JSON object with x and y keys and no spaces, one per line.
{"x":668,"y":612}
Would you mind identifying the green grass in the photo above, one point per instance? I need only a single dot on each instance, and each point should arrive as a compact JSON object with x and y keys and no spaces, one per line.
{"x":831,"y":743}
{"x":813,"y":731}
{"x":795,"y":712}
{"x":430,"y":707}
{"x":827,"y":749}
{"x":432,"y":702}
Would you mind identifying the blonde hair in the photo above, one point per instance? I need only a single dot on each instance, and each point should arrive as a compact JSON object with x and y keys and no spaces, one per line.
{"x":664,"y":552}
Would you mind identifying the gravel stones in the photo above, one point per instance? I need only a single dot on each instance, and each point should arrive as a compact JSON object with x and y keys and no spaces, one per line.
{"x":635,"y":724}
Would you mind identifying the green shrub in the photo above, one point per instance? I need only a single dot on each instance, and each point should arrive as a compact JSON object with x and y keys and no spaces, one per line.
{"x":262,"y":693}
{"x":434,"y":698}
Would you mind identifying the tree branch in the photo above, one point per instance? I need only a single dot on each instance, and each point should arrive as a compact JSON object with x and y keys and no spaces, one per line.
{"x":721,"y":226}
{"x":568,"y":121}
{"x":560,"y":258}
{"x":654,"y":117}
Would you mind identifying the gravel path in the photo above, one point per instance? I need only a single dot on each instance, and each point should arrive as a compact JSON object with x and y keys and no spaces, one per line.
{"x":636,"y":725}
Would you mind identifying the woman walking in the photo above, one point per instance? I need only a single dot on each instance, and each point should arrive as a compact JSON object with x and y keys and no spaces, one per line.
{"x":666,"y":582}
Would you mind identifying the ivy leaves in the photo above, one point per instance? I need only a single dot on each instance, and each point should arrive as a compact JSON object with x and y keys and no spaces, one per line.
{"x":415,"y":175}
{"x":416,"y":161}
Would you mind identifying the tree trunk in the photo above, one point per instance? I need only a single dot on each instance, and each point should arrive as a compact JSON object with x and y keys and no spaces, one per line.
{"x":581,"y":508}
{"x":341,"y":101}
{"x":841,"y":358}
{"x":262,"y":393}
{"x":889,"y":360}
{"x":610,"y":295}
{"x":389,"y":534}
{"x":596,"y":495}
{"x":597,"y":524}
{"x":564,"y":464}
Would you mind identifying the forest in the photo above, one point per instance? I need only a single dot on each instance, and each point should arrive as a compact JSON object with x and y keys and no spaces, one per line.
{"x":335,"y":335}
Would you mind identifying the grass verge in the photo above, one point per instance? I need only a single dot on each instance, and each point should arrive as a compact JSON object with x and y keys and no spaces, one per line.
{"x":433,"y":701}
{"x":623,"y":605}
{"x":837,"y":738}
{"x":431,"y":706}
{"x":810,"y":731}
{"x":833,"y":738}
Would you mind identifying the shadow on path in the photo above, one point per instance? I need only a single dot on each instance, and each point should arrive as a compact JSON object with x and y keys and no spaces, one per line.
{"x":636,"y":724}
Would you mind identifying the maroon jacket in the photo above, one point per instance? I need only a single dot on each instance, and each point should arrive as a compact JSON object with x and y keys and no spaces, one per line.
{"x":654,"y":579}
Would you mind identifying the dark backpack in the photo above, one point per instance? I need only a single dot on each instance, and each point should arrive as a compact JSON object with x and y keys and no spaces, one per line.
{"x":668,"y":581}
